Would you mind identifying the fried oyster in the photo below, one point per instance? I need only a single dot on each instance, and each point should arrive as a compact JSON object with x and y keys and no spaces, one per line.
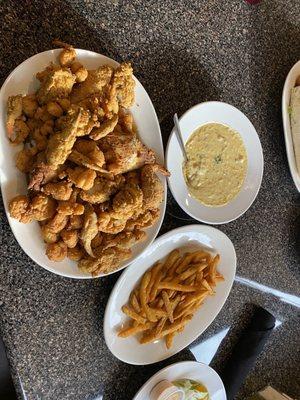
{"x":92,"y":183}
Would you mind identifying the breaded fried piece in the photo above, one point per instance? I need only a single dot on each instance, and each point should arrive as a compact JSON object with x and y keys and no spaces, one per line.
{"x":123,"y":239}
{"x":70,"y":237}
{"x":82,"y":178}
{"x":125,"y":152}
{"x":127,"y":201}
{"x":143,"y":220}
{"x":57,"y":223}
{"x":41,"y":174}
{"x":89,"y":229}
{"x":42,"y":207}
{"x":58,"y":190}
{"x":60,"y":144}
{"x":102,"y":189}
{"x":105,"y":128}
{"x":108,"y":224}
{"x":56,"y":84}
{"x":14,"y":111}
{"x":19,"y":208}
{"x":95,"y":83}
{"x":87,"y":153}
{"x":121,"y":91}
{"x":107,"y":261}
{"x":151,"y":186}
{"x":56,"y":251}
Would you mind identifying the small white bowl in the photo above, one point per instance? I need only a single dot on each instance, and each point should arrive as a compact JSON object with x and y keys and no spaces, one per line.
{"x":189,"y":370}
{"x":286,"y":98}
{"x":201,"y":114}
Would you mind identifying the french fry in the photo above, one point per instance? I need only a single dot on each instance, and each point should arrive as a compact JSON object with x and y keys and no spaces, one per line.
{"x":206,"y":285}
{"x":148,"y":338}
{"x":171,"y":259}
{"x":154,"y":271}
{"x":143,"y":297}
{"x":134,"y":302}
{"x":168,"y":306}
{"x":160,"y":325}
{"x":154,"y":289}
{"x":191,"y":270}
{"x":132,"y":314}
{"x":132,"y":330}
{"x":201,"y":255}
{"x":185,"y":261}
{"x":169,"y":295}
{"x":169,"y":340}
{"x":176,"y":286}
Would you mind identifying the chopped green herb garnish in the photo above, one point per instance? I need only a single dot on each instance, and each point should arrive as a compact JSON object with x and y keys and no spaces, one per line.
{"x":218,"y":159}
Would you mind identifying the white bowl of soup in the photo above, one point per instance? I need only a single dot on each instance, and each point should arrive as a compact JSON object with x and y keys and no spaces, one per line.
{"x":222,"y":176}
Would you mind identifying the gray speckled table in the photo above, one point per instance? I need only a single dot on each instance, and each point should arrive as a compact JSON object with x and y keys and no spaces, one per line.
{"x":184,"y":52}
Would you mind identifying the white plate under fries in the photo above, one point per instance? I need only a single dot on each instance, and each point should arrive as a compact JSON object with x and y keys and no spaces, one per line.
{"x":189,"y":237}
{"x":22,"y":80}
{"x":189,"y":370}
{"x":203,"y":113}
{"x":286,"y":98}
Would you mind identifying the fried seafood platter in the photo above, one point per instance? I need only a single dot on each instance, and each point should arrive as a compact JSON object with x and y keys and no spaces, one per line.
{"x":83,"y":181}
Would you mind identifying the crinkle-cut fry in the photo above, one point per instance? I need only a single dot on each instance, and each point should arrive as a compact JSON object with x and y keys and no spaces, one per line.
{"x":148,"y":338}
{"x":133,"y":315}
{"x":176,"y":286}
{"x":206,"y":285}
{"x":219,"y":278}
{"x":193,"y":268}
{"x":171,"y":259}
{"x":199,"y":277}
{"x":185,"y":261}
{"x":144,"y":298}
{"x":169,"y":339}
{"x":132,"y":330}
{"x":159,"y":313}
{"x":154,"y":271}
{"x":134,"y":303}
{"x":168,"y":305}
{"x":154,"y":289}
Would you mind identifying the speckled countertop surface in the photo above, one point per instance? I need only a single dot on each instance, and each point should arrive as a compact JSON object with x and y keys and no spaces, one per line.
{"x":184,"y":52}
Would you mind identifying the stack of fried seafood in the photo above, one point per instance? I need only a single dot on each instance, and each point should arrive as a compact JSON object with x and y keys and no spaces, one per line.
{"x":92,"y":183}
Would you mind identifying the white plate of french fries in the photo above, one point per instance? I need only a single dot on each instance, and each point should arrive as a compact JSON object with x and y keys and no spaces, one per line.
{"x":170,"y":294}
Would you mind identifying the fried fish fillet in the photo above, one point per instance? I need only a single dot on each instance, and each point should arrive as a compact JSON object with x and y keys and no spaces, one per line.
{"x":55,"y":84}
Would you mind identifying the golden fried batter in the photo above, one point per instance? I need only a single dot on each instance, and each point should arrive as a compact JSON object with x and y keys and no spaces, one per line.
{"x":70,"y":237}
{"x":79,"y":139}
{"x":56,"y":251}
{"x":57,"y":84}
{"x":76,"y":253}
{"x":70,"y":208}
{"x":125,"y":152}
{"x":95,"y":83}
{"x":42,"y":207}
{"x":102,"y":189}
{"x":14,"y":112}
{"x":57,"y":223}
{"x":82,"y":178}
{"x":19,"y":208}
{"x":89,"y":229}
{"x":58,"y":190}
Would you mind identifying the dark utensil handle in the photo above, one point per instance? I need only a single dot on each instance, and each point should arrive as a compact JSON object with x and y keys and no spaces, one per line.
{"x":7,"y":390}
{"x":246,"y":351}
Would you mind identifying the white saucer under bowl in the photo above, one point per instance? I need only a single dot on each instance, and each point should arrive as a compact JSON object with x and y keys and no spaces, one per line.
{"x":218,"y":112}
{"x":190,"y":370}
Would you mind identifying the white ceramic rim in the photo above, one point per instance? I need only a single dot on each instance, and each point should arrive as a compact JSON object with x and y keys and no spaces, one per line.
{"x":162,"y":207}
{"x":288,"y":137}
{"x":255,"y":193}
{"x":178,"y":364}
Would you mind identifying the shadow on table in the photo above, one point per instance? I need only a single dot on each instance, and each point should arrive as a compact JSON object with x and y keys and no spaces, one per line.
{"x":23,"y":40}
